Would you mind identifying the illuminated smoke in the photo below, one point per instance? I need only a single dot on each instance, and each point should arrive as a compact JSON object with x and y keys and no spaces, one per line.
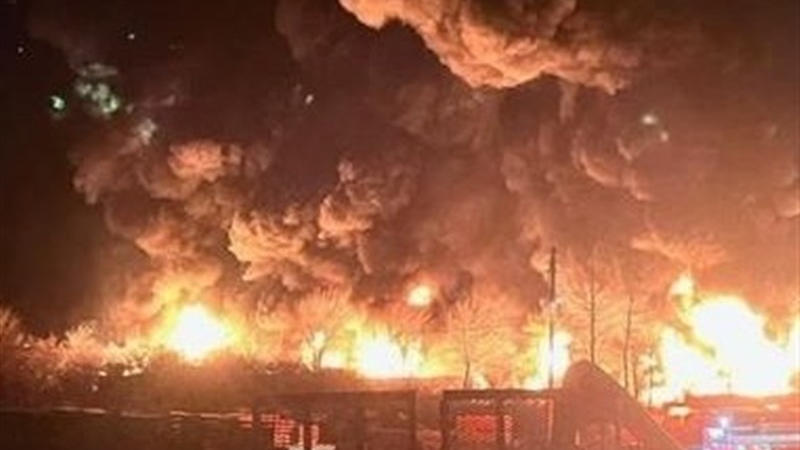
{"x":298,"y":149}
{"x":508,"y":43}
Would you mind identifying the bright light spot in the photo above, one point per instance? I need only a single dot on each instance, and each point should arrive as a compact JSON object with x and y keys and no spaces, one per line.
{"x":723,"y":347}
{"x":684,"y":286}
{"x":100,"y":96}
{"x":479,"y":381}
{"x":558,"y":360}
{"x":333,"y":359}
{"x":716,"y":433}
{"x":20,"y":49}
{"x":378,"y":356}
{"x":649,"y":119}
{"x":57,"y":103}
{"x":197,"y":333}
{"x":421,"y":296}
{"x":793,"y":346}
{"x":317,"y":341}
{"x":679,"y":411}
{"x":131,"y":36}
{"x":309,"y":99}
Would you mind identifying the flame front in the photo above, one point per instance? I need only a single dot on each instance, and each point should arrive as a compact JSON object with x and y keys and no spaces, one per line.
{"x":379,"y":356}
{"x":556,"y":360}
{"x":725,"y":350}
{"x":196,"y":333}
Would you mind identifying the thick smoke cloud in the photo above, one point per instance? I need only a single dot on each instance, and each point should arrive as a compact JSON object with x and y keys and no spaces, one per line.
{"x":286,"y":147}
{"x":507,"y":43}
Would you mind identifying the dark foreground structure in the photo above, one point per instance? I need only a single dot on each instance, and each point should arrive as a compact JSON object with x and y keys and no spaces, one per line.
{"x":325,"y":420}
{"x":590,"y":412}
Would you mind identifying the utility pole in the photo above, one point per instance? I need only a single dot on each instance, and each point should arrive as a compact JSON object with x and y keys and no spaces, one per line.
{"x":551,"y":318}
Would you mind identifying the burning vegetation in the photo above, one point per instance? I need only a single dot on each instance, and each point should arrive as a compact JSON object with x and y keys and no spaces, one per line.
{"x":717,"y":344}
{"x":289,"y":189}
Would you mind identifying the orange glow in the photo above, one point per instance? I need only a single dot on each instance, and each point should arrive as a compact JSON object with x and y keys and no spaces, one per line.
{"x":560,"y":360}
{"x":196,"y":333}
{"x":725,"y":349}
{"x":684,"y":286}
{"x":318,"y":346}
{"x":379,"y":356}
{"x":371,"y":352}
{"x":421,"y":296}
{"x":793,"y":347}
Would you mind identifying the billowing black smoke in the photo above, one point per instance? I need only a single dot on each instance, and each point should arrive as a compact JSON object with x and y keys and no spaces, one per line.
{"x":265,"y":150}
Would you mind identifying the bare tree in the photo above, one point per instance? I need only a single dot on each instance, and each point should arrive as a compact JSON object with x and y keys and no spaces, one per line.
{"x":484,"y":335}
{"x":626,"y":366}
{"x":320,"y":320}
{"x":609,"y":291}
{"x":642,"y":276}
{"x":407,"y":324}
{"x":591,"y":286}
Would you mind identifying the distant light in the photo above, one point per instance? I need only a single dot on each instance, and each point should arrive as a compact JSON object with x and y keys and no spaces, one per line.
{"x":663,"y":136}
{"x":20,"y":49}
{"x":57,"y":103}
{"x":131,"y":36}
{"x":309,"y":99}
{"x":649,"y":119}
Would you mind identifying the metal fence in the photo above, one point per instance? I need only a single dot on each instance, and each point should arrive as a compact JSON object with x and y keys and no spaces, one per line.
{"x":497,"y":420}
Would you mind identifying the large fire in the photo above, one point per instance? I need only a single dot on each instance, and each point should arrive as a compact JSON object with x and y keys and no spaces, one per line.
{"x":724,"y":348}
{"x":721,"y":345}
{"x":552,"y":359}
{"x":718,"y":345}
{"x":380,"y":356}
{"x":196,"y":333}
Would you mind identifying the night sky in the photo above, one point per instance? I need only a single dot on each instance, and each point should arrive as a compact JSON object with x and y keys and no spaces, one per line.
{"x":410,"y":165}
{"x":53,"y":245}
{"x":42,"y":217}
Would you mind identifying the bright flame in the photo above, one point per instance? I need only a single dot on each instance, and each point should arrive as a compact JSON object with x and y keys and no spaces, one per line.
{"x":684,"y":286}
{"x":196,"y":333}
{"x":379,"y":356}
{"x":793,"y":346}
{"x":558,"y":360}
{"x":421,"y":296}
{"x":317,"y":346}
{"x":725,"y":350}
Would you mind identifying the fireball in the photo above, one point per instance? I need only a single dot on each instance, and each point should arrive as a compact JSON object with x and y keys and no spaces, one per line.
{"x":420,"y":296}
{"x":196,"y":333}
